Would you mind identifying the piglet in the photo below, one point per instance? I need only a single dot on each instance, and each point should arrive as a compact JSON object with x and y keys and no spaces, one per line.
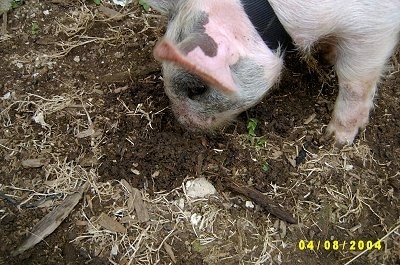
{"x":216,"y":63}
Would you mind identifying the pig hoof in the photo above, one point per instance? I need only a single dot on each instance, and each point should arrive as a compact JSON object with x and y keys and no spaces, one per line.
{"x":326,"y":139}
{"x":342,"y":135}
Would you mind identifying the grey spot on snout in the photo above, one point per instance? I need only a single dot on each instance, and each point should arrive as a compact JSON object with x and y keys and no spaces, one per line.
{"x":199,"y":38}
{"x":205,"y":42}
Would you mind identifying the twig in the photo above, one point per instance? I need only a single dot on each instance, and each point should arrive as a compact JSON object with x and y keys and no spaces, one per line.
{"x":262,"y":200}
{"x":37,"y":203}
{"x":4,"y":25}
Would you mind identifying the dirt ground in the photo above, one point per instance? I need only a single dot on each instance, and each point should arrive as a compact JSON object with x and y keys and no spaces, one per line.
{"x":82,"y":101}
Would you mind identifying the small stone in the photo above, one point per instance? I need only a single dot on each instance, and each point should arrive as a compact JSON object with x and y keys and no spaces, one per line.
{"x":250,"y":204}
{"x":199,"y":188}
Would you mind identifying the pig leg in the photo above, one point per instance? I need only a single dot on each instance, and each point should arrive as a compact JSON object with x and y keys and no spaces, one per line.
{"x":359,"y":68}
{"x":352,"y":107}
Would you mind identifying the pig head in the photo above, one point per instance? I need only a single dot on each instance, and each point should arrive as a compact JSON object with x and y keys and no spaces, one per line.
{"x":215,"y":65}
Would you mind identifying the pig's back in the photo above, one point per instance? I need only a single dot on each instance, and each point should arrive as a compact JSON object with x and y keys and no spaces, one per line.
{"x":309,"y":20}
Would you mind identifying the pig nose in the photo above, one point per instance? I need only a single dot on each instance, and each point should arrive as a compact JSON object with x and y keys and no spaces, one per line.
{"x":195,"y":91}
{"x":187,"y":85}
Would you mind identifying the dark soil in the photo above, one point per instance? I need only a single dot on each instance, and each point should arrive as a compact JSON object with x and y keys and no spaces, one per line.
{"x":138,"y":139}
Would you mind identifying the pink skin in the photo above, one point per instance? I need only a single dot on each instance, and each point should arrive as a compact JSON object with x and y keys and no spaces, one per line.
{"x":197,"y":62}
{"x":359,"y":43}
{"x":351,"y":110}
{"x":235,"y":41}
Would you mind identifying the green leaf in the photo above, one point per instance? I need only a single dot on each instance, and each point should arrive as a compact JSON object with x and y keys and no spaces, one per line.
{"x":34,"y":28}
{"x":261,"y":141}
{"x":145,"y":6}
{"x":251,"y":126}
{"x":265,"y":167}
{"x":16,"y":3}
{"x":97,"y":2}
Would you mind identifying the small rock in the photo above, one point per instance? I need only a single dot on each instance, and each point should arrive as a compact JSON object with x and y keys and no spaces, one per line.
{"x":6,"y":96}
{"x":250,"y":204}
{"x":122,"y":2}
{"x":195,"y":219}
{"x":199,"y":188}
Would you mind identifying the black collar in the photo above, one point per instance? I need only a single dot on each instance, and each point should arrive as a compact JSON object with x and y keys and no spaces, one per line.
{"x":267,"y":24}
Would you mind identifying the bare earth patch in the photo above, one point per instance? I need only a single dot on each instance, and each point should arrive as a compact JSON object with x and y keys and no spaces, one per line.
{"x":82,"y":101}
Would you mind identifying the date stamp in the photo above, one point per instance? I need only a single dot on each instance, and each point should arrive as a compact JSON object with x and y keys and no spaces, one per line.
{"x":339,"y":245}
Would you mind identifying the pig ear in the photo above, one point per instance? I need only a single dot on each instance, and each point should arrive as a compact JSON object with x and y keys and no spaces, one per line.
{"x":162,"y":6}
{"x":213,"y":70}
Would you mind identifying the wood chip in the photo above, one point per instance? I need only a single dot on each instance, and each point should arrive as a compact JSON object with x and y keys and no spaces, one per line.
{"x":111,"y":224}
{"x":51,"y":221}
{"x":4,"y":25}
{"x":170,"y":252}
{"x":136,"y":202}
{"x":88,"y":161}
{"x":276,"y":154}
{"x":283,"y":229}
{"x":120,"y":89}
{"x":135,"y":171}
{"x":140,"y":207}
{"x":292,"y":160}
{"x":310,"y":119}
{"x":34,"y":163}
{"x":155,"y":174}
{"x":111,"y":13}
{"x":86,"y":133}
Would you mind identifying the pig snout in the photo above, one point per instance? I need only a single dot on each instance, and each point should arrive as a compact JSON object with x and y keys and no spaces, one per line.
{"x":186,"y":93}
{"x":188,"y":86}
{"x":216,"y":65}
{"x":197,"y":105}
